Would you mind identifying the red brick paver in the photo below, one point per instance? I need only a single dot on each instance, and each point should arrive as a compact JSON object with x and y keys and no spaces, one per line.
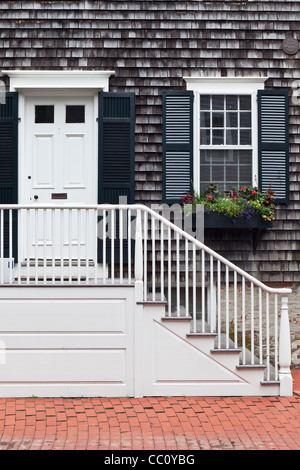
{"x":153,"y":423}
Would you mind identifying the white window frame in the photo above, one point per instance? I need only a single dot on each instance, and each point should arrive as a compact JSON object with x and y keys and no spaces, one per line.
{"x":225,"y":86}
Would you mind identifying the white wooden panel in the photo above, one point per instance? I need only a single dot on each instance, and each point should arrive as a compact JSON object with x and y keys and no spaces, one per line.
{"x":66,"y":341}
{"x":96,"y":315}
{"x":74,"y":168}
{"x":192,"y":365}
{"x":43,"y":160}
{"x":64,"y":366}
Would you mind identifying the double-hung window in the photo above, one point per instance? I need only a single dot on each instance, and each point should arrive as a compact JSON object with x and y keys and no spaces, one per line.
{"x":226,"y":131}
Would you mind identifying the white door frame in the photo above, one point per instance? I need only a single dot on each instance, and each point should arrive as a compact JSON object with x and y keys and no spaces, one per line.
{"x":54,"y":83}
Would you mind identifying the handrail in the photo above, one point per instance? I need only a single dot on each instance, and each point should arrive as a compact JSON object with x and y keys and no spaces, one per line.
{"x":166,"y":222}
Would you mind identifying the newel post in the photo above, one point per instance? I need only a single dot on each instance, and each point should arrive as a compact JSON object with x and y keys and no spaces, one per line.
{"x":285,"y":376}
{"x":139,"y":309}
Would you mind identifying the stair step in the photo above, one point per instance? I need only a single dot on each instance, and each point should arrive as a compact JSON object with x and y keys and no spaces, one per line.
{"x":57,"y":262}
{"x":216,"y":351}
{"x":201,"y":335}
{"x":250,"y":366}
{"x":187,"y":319}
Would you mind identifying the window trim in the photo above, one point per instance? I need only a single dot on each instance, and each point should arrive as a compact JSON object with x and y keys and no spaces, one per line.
{"x":225,"y":86}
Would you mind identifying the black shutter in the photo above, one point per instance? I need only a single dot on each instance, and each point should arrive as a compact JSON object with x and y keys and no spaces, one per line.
{"x":116,"y":147}
{"x":9,"y":163}
{"x":273,"y":142}
{"x":177,"y":145}
{"x":116,"y":159}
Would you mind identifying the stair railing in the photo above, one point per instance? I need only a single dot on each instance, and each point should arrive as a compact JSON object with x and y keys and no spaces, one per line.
{"x":173,"y":266}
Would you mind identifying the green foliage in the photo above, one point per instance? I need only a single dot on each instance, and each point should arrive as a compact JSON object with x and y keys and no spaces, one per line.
{"x":237,"y":203}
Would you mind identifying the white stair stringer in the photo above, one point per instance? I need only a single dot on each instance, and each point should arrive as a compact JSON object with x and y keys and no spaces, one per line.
{"x":177,"y":362}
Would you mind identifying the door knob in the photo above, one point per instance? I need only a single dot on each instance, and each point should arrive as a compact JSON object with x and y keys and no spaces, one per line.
{"x":35,"y":196}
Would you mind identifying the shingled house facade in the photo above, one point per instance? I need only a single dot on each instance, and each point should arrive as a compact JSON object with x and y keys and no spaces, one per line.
{"x":161,"y":52}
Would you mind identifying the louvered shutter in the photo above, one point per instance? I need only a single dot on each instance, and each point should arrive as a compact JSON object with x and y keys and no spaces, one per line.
{"x":9,"y":163}
{"x":273,"y":142}
{"x":116,"y":147}
{"x":116,"y":158}
{"x":177,"y":145}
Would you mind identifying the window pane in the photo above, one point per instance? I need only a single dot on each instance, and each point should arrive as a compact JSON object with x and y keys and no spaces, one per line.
{"x":232,"y":120}
{"x":44,"y":114}
{"x":245,"y":120}
{"x":204,"y":102}
{"x":226,"y":168}
{"x":231,"y":137}
{"x":205,"y":119}
{"x":75,"y":114}
{"x":245,"y":102}
{"x":217,"y":120}
{"x":217,"y":102}
{"x":205,"y":136}
{"x":245,"y":137}
{"x":218,"y":136}
{"x":231,"y":102}
{"x":231,"y":175}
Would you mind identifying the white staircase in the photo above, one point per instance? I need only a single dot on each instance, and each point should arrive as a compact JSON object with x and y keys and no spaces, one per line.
{"x":195,"y":323}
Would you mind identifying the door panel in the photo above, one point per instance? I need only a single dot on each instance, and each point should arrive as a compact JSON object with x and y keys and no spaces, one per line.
{"x":60,"y":168}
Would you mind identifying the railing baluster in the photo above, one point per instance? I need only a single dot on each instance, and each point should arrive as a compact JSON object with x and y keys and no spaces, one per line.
{"x":104,"y":246}
{"x":153,"y":256}
{"x":70,"y":246}
{"x":227,"y":308}
{"x":121,"y":244}
{"x":162,"y":254}
{"x":29,"y":227}
{"x":145,"y":256}
{"x":252,"y":323}
{"x":235,"y":311}
{"x":203,"y":290}
{"x":177,"y":275}
{"x":36,"y":245}
{"x":243,"y":321}
{"x":260,"y":327}
{"x":2,"y":247}
{"x":87,"y":245}
{"x":169,"y":273}
{"x":79,"y":224}
{"x":212,"y":303}
{"x":267,"y":336}
{"x":53,"y":244}
{"x":194,"y":289}
{"x":94,"y":215}
{"x":45,"y":245}
{"x":113,"y":246}
{"x":10,"y":215}
{"x":129,"y":245}
{"x":187,"y":283}
{"x":219,"y":304}
{"x":276,"y":336}
{"x":62,"y":243}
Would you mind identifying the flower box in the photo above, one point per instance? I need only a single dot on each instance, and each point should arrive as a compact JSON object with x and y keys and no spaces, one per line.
{"x":212,"y":221}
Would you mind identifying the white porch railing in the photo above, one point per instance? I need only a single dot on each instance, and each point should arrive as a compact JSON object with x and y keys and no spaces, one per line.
{"x":123,"y":244}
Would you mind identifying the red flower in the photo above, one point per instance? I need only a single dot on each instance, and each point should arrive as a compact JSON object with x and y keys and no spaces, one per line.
{"x":254,"y":192}
{"x":209,"y":197}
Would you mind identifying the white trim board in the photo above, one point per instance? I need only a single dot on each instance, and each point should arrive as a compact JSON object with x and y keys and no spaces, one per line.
{"x":31,"y":81}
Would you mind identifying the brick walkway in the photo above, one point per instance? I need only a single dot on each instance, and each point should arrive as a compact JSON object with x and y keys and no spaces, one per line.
{"x":150,"y":423}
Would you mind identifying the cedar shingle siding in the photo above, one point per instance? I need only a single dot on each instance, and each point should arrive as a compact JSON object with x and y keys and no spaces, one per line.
{"x":151,"y":46}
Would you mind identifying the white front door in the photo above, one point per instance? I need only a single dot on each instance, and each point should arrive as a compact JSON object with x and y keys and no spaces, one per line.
{"x":59,"y":168}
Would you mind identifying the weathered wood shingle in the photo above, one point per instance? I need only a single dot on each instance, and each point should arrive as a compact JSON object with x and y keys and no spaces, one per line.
{"x":151,"y":46}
